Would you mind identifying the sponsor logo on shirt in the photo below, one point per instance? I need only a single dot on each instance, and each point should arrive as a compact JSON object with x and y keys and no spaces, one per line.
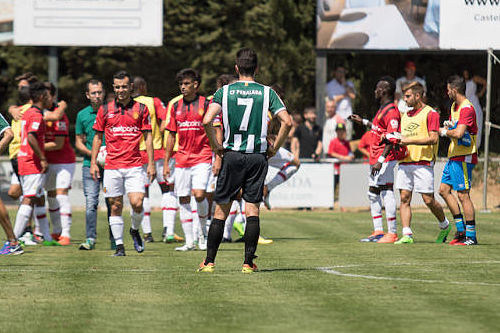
{"x":61,"y":125}
{"x":35,"y":125}
{"x":124,"y":130}
{"x":189,"y":125}
{"x":246,"y":92}
{"x":394,"y":124}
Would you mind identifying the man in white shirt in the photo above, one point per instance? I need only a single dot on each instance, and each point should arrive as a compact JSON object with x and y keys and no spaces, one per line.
{"x":342,"y":91}
{"x":332,"y":119}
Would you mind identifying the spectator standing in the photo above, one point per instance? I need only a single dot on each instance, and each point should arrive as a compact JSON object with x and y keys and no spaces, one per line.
{"x":330,"y":127}
{"x":471,"y":93}
{"x":343,"y":93}
{"x":340,"y":149}
{"x":306,"y":142}
{"x":410,"y":76}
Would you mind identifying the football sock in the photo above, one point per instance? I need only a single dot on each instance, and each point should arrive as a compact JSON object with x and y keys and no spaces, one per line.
{"x":146,"y":220}
{"x":55,"y":215}
{"x":43,"y":222}
{"x":390,"y":210}
{"x":196,"y":219}
{"x":376,"y":211}
{"x":241,"y":217}
{"x":116,"y":224}
{"x":136,"y":218}
{"x":230,"y":220}
{"x":214,"y":238}
{"x":169,"y":211}
{"x":66,"y":218}
{"x":470,"y":229}
{"x":283,"y":175}
{"x":459,"y":222}
{"x":22,"y":218}
{"x":407,"y":231}
{"x":252,"y":232}
{"x":203,"y":214}
{"x":444,"y":224}
{"x":187,"y":222}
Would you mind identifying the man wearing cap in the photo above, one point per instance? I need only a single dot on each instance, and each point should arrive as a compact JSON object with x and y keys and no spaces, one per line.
{"x":410,"y":70}
{"x":340,"y":149}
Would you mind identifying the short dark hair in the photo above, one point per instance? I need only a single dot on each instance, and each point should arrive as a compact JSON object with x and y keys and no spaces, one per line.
{"x":120,"y":75}
{"x":224,"y":79}
{"x":188,"y":73}
{"x":458,"y":83}
{"x":24,"y":95}
{"x":392,"y":85}
{"x":91,"y":82}
{"x":37,"y":90}
{"x":415,"y":87}
{"x":246,"y":60}
{"x":309,"y":109}
{"x":50,"y":87}
{"x":28,"y":76}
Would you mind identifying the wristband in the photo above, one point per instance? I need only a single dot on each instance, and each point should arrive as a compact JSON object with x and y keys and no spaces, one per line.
{"x":365,"y":122}
{"x":443,"y":132}
{"x":381,"y":159}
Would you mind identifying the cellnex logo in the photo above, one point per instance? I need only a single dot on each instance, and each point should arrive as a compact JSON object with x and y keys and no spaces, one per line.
{"x":482,"y":2}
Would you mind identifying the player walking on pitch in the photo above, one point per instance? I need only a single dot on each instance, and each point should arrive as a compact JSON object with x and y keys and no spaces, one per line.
{"x":123,"y":122}
{"x":384,"y":153}
{"x":419,"y":132}
{"x":244,"y":105}
{"x":462,"y":154}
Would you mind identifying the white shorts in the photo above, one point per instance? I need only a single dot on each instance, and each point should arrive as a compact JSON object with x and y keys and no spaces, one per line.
{"x":159,"y":172}
{"x":171,"y":178}
{"x":418,"y":178}
{"x":59,"y":176}
{"x":282,"y":157}
{"x":32,"y":185}
{"x":14,"y":180}
{"x":212,"y":182}
{"x":192,"y":178}
{"x":385,"y":175}
{"x":117,"y":182}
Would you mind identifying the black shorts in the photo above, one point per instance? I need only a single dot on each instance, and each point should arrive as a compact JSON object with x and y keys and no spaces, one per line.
{"x":15,"y":167}
{"x":241,"y":171}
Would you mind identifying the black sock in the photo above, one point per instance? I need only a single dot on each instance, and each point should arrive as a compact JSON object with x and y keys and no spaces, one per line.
{"x":215,"y":234}
{"x":252,"y":232}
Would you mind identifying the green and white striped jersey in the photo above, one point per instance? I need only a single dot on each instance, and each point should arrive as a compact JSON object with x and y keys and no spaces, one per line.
{"x":3,"y":125}
{"x":245,"y":106}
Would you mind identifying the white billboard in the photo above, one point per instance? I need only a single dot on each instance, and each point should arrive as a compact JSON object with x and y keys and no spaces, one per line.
{"x":88,"y":22}
{"x":470,"y":24}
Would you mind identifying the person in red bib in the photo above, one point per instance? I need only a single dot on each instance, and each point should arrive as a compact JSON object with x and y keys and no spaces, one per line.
{"x":384,"y":152}
{"x":124,"y":122}
{"x":61,"y":159}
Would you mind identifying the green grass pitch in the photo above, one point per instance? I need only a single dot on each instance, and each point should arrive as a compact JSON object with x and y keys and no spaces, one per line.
{"x":316,"y":277}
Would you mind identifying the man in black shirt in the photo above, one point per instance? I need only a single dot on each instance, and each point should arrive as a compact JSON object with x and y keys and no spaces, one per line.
{"x":306,"y":142}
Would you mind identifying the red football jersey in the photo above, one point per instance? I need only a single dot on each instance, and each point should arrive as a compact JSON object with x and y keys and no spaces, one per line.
{"x":186,"y":119}
{"x":386,"y":121}
{"x":161,"y":110}
{"x":32,"y":122}
{"x":122,"y":126}
{"x":59,"y":128}
{"x":340,"y":147}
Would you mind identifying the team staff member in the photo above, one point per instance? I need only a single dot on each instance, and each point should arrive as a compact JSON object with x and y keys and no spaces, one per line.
{"x":419,"y":132}
{"x":462,"y":154}
{"x":384,"y":153}
{"x":244,"y":105}
{"x":61,"y":158}
{"x":33,"y":164}
{"x":157,"y":113}
{"x":84,"y":136}
{"x":123,"y":122}
{"x":193,"y":158}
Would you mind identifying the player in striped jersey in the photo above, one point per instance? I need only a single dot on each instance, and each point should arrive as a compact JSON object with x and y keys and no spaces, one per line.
{"x":244,"y":105}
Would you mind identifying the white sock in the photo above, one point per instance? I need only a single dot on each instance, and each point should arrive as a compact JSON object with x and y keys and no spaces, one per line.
{"x":390,"y":210}
{"x":228,"y":227}
{"x":146,"y":220}
{"x":116,"y":224}
{"x":196,"y":219}
{"x":43,"y":222}
{"x":444,"y":224}
{"x":55,"y":215}
{"x":22,"y":218}
{"x":187,"y":223}
{"x":282,"y":176}
{"x":241,"y":216}
{"x":136,"y":218}
{"x":203,"y":215}
{"x":169,"y":212}
{"x":65,"y":210}
{"x":407,"y":231}
{"x":376,"y":211}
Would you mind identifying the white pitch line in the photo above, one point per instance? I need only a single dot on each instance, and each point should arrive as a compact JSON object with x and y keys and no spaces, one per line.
{"x":390,"y":278}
